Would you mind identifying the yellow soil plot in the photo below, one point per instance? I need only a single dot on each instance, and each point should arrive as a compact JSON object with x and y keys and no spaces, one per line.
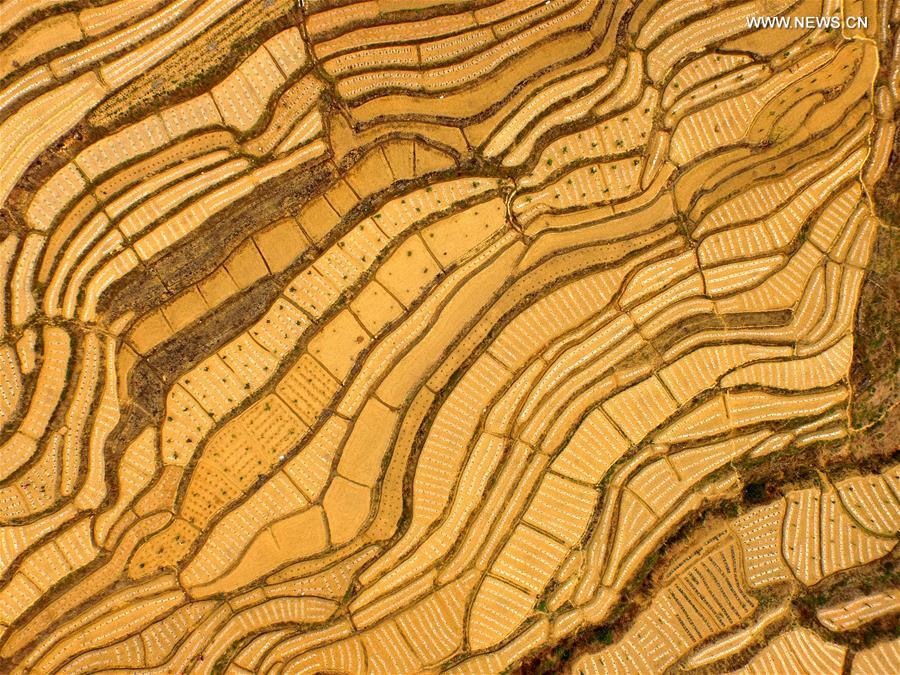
{"x":403,"y":336}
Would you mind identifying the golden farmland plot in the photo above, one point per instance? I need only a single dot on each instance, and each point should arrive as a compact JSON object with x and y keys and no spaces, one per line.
{"x":401,"y":336}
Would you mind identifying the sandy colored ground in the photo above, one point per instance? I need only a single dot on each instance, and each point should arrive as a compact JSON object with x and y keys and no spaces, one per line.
{"x":401,"y":337}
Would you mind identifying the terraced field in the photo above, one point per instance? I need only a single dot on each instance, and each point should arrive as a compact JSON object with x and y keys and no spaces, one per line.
{"x":404,"y":336}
